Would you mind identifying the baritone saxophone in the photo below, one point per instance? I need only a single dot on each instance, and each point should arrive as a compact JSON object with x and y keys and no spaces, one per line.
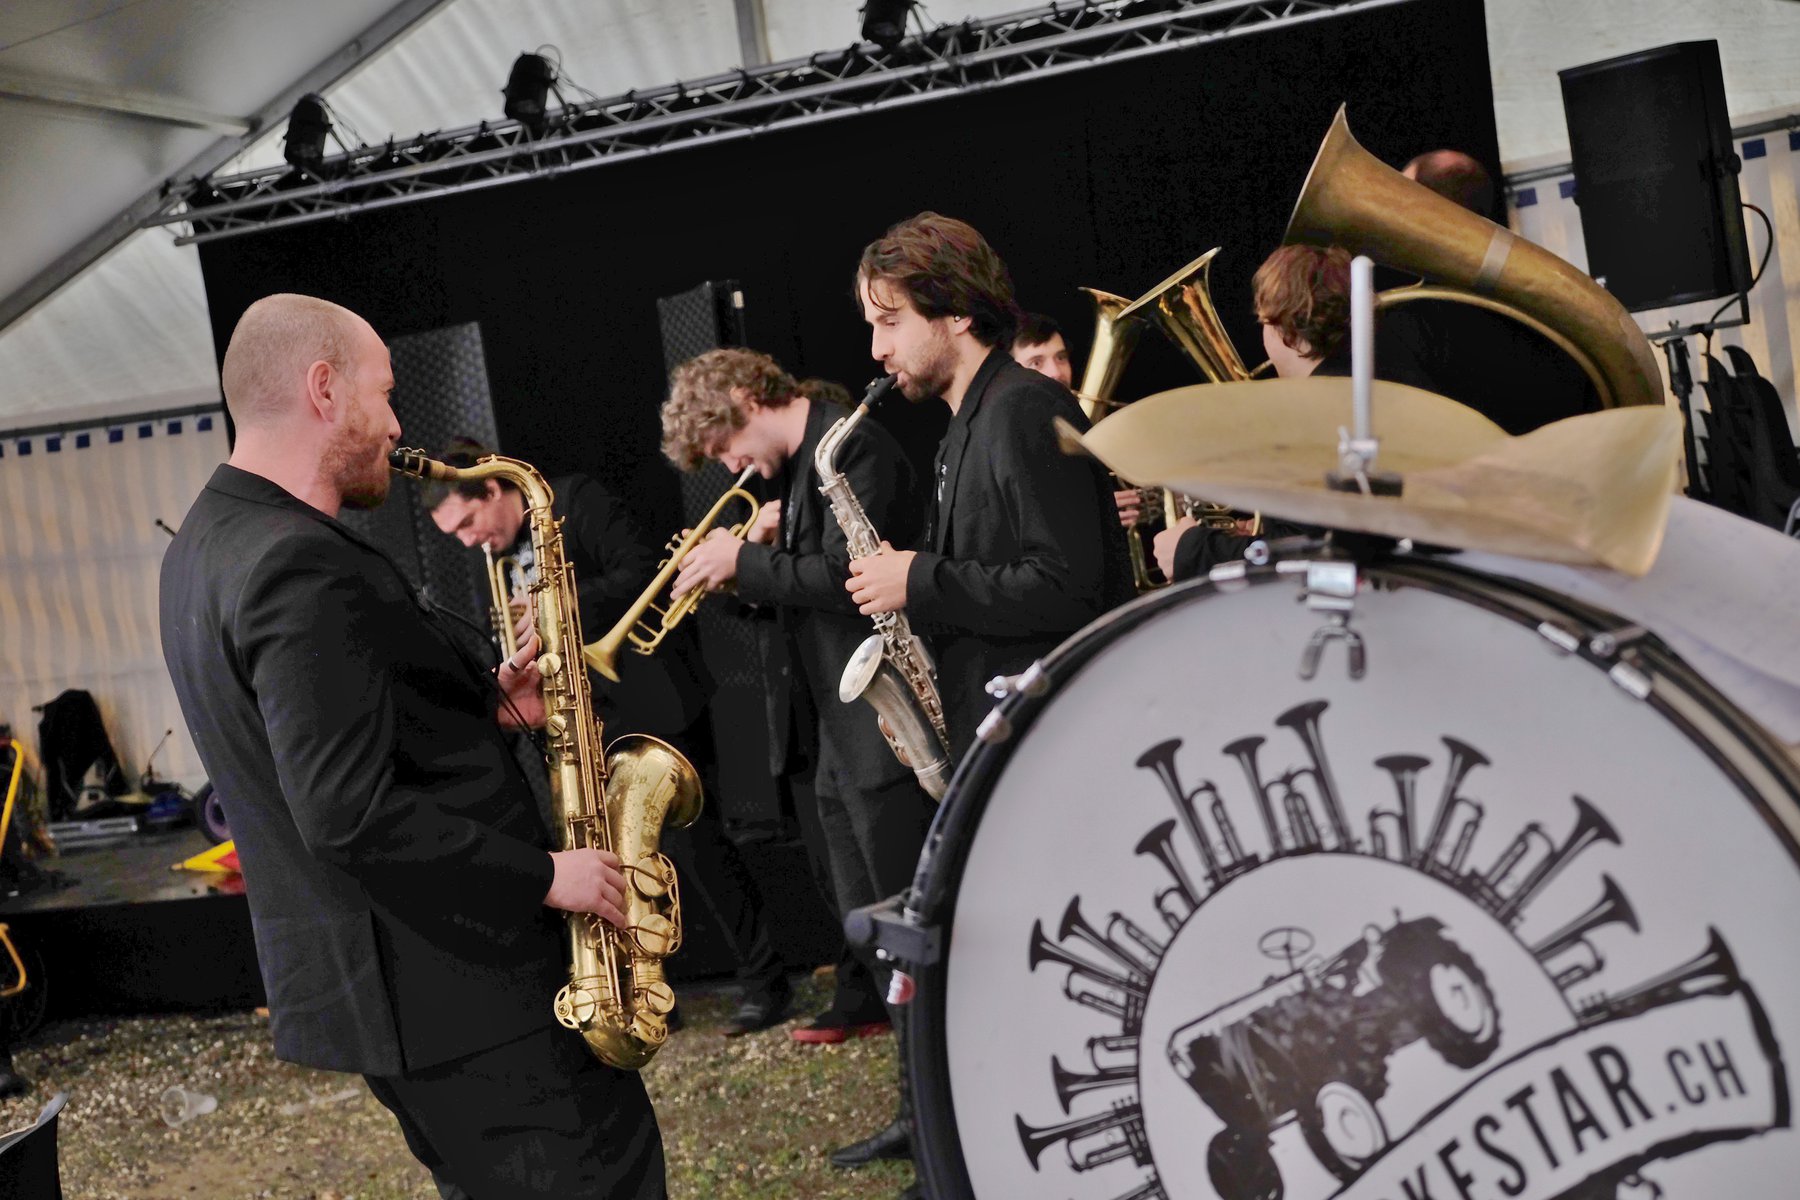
{"x":617,"y":996}
{"x":891,"y":670}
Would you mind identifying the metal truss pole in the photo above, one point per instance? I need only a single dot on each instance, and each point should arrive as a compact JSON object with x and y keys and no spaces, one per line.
{"x":948,"y":61}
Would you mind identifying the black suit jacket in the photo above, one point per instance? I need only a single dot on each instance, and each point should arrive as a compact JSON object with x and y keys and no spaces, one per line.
{"x":1023,"y":544}
{"x":804,"y":574}
{"x":394,"y":858}
{"x":661,"y":694}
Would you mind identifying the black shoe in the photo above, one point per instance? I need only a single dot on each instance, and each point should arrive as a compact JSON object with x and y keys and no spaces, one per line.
{"x":760,"y":1010}
{"x":13,"y":1085}
{"x":893,"y":1141}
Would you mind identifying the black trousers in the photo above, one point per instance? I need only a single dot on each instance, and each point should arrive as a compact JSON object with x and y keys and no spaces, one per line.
{"x":536,"y":1117}
{"x":871,"y":836}
{"x":708,"y":863}
{"x":713,"y":873}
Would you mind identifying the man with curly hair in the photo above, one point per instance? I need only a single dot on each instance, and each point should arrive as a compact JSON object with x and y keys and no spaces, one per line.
{"x":739,"y":408}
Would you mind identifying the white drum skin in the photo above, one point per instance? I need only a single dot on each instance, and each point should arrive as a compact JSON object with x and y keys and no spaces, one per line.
{"x":1335,"y":1014}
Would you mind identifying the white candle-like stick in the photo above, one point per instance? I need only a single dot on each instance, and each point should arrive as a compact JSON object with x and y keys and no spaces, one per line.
{"x":1362,"y":341}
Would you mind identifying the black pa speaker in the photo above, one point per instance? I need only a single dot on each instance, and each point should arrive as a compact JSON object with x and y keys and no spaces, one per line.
{"x":1656,"y":176}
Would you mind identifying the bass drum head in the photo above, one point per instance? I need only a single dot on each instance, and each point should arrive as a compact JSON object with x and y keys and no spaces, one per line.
{"x":1483,"y":922}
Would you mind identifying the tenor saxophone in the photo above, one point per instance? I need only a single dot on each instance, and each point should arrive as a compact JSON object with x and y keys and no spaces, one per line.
{"x":891,"y":670}
{"x":617,"y":996}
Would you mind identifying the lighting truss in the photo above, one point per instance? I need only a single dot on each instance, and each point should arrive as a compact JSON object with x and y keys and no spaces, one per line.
{"x":948,"y":61}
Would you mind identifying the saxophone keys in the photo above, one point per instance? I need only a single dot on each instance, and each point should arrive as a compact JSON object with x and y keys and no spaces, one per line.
{"x":574,"y":1006}
{"x":549,"y":665}
{"x":657,"y":997}
{"x":652,"y":876}
{"x":655,"y":935}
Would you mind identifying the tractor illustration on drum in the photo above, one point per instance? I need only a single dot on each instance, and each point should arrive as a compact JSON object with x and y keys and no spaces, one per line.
{"x":1312,"y":1045}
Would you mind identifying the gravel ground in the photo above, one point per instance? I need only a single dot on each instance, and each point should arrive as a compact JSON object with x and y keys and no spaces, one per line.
{"x":743,"y":1119}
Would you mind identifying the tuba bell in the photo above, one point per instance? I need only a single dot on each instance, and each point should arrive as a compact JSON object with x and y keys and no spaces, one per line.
{"x":1354,"y":200}
{"x":1182,"y":307}
{"x":1114,"y":340}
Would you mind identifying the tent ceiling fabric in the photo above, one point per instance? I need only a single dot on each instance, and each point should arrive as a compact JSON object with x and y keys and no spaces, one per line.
{"x":136,"y":89}
{"x":213,"y":58}
{"x":93,"y":95}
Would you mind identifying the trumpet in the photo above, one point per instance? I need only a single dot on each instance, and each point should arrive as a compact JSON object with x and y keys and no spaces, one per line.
{"x":636,"y":627}
{"x":1213,"y":516}
{"x":499,"y":577}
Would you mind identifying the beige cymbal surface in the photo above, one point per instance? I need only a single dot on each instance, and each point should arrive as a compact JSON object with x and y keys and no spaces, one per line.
{"x":1592,"y":489}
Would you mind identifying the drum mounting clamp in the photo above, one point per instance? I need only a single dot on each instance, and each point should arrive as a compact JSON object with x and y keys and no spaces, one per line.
{"x":1330,"y":588}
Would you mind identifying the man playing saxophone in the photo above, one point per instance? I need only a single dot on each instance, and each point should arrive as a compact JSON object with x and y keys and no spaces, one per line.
{"x":397,"y":868}
{"x":739,"y":408}
{"x":1023,"y":544}
{"x":664,"y":695}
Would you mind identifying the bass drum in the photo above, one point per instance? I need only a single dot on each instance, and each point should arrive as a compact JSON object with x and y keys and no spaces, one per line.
{"x":1510,"y":915}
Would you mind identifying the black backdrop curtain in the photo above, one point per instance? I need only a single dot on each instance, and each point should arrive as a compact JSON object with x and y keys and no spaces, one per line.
{"x":1110,"y":177}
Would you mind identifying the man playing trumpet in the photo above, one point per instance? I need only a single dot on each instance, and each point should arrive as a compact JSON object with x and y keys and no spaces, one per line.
{"x":739,"y":408}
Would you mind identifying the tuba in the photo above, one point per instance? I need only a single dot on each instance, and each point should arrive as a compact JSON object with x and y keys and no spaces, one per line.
{"x":616,"y":997}
{"x":1354,"y":200}
{"x":633,"y":627}
{"x":890,"y":669}
{"x":1114,"y":340}
{"x":1181,"y":306}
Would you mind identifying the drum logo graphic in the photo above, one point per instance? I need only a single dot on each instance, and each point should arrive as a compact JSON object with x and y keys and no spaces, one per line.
{"x":1376,"y":1018}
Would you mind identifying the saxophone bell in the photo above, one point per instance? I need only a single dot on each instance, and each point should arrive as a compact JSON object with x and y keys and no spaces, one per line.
{"x":869,"y":676}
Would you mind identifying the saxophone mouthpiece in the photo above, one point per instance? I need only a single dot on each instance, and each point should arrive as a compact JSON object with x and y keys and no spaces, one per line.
{"x":409,"y":461}
{"x":879,"y":388}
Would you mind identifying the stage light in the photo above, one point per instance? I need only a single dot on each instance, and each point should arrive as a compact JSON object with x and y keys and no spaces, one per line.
{"x":884,"y":22}
{"x":527,"y":90}
{"x":307,"y":130}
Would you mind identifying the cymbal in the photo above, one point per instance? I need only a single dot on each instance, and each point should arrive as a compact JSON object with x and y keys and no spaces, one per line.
{"x":1592,"y":489}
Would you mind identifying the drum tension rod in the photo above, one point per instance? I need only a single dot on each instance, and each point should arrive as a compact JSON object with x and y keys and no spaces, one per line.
{"x":1330,"y":588}
{"x":1605,"y":647}
{"x":997,"y":727}
{"x":1608,"y":645}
